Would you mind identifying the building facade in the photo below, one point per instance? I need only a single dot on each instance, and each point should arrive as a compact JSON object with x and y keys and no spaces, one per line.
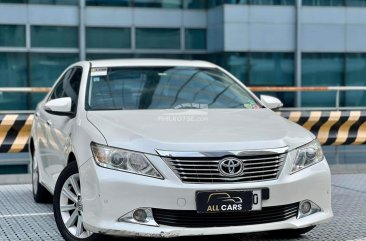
{"x":262,"y":42}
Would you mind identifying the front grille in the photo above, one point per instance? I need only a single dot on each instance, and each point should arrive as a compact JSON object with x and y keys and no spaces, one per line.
{"x":206,"y":169}
{"x":192,"y":219}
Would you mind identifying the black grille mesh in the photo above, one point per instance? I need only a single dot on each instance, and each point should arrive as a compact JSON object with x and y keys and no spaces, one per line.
{"x":192,"y":219}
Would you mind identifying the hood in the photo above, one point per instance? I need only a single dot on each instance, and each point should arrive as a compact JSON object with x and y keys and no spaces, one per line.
{"x":198,"y":130}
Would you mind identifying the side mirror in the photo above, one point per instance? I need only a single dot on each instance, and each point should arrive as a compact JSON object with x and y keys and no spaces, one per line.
{"x":271,"y":102}
{"x":59,"y":106}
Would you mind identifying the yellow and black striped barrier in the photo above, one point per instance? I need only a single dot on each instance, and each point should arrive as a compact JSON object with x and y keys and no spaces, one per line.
{"x":14,"y":132}
{"x":331,"y":128}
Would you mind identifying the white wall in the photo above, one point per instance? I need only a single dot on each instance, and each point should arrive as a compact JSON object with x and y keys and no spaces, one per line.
{"x":272,"y":28}
{"x":230,"y":28}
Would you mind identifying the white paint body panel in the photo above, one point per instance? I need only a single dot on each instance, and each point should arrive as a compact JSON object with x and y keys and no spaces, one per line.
{"x":111,"y":194}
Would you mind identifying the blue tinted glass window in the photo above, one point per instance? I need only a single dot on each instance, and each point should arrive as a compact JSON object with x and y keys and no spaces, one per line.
{"x":235,"y":63}
{"x":158,"y":3}
{"x":321,"y":69}
{"x":13,"y":69}
{"x":45,"y":68}
{"x":355,"y":76}
{"x":121,"y":3}
{"x":51,"y":36}
{"x":12,"y":35}
{"x":108,"y":37}
{"x":273,"y":69}
{"x":323,"y":2}
{"x":214,"y":3}
{"x":272,"y":2}
{"x":154,"y":38}
{"x":195,"y":4}
{"x":13,"y":1}
{"x":195,"y":38}
{"x":56,"y":2}
{"x":356,"y":3}
{"x":94,"y":56}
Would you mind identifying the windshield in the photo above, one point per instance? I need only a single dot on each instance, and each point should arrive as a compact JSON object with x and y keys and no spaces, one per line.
{"x":133,"y":88}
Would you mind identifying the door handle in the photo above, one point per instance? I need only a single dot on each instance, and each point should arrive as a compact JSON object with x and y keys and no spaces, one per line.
{"x":49,"y":123}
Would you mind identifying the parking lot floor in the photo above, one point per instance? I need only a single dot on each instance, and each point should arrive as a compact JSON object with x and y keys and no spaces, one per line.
{"x":22,"y":219}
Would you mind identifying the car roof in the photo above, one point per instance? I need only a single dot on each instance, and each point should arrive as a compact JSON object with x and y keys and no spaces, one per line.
{"x":151,"y":62}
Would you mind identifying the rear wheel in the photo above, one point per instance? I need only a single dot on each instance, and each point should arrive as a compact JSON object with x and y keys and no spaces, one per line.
{"x":68,"y":206}
{"x":40,"y":193}
{"x":290,"y":233}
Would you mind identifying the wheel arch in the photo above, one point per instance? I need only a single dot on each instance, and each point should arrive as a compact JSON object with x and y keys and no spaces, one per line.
{"x":31,"y":147}
{"x":71,"y":158}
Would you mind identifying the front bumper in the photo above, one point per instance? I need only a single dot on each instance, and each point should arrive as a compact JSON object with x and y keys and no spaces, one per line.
{"x":109,"y":194}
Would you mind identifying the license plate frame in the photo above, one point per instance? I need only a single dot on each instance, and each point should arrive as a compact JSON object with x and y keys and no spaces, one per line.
{"x":225,"y":201}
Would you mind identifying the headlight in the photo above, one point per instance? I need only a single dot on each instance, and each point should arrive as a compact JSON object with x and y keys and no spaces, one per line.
{"x":307,"y":155}
{"x":123,"y":160}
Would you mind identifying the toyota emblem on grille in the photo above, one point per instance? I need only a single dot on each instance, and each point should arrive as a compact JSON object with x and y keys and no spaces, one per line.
{"x":231,"y":167}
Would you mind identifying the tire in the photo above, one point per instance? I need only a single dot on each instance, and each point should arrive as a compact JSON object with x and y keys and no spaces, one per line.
{"x":69,"y":221}
{"x":40,"y":193}
{"x":290,"y":233}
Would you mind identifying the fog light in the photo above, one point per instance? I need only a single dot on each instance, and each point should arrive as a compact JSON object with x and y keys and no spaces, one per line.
{"x":140,"y":215}
{"x":305,"y":207}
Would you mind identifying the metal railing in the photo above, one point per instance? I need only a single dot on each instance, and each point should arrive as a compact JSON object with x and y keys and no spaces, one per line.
{"x":25,"y":89}
{"x":308,"y":117}
{"x":336,"y":89}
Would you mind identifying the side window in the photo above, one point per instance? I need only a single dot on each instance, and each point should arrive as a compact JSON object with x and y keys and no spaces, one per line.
{"x":58,"y":91}
{"x":71,"y":86}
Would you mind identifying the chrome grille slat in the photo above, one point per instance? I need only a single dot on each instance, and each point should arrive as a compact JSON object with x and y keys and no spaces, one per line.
{"x":261,"y":159}
{"x":197,"y":163}
{"x":217,"y":161}
{"x":262,"y":167}
{"x":194,"y":161}
{"x":205,"y":174}
{"x":196,"y":170}
{"x":206,"y":169}
{"x":268,"y":162}
{"x":194,"y":165}
{"x":224,"y":178}
{"x":215,"y":168}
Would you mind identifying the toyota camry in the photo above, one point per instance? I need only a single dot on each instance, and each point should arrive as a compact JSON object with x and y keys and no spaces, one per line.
{"x":167,"y":148}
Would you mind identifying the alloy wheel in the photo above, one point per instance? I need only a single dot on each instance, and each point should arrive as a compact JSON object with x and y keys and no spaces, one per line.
{"x":71,"y":207}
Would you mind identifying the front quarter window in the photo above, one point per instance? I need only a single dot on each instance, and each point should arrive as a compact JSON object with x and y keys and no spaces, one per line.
{"x":165,"y":88}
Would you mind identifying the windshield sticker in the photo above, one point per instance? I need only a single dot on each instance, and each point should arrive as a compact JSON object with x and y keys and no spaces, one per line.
{"x":98,"y":71}
{"x":96,"y":79}
{"x":251,"y":105}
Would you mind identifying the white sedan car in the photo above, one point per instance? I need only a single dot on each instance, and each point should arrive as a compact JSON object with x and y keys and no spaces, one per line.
{"x":166,"y":148}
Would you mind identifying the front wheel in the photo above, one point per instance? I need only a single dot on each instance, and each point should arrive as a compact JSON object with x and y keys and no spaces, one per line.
{"x":68,"y":206}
